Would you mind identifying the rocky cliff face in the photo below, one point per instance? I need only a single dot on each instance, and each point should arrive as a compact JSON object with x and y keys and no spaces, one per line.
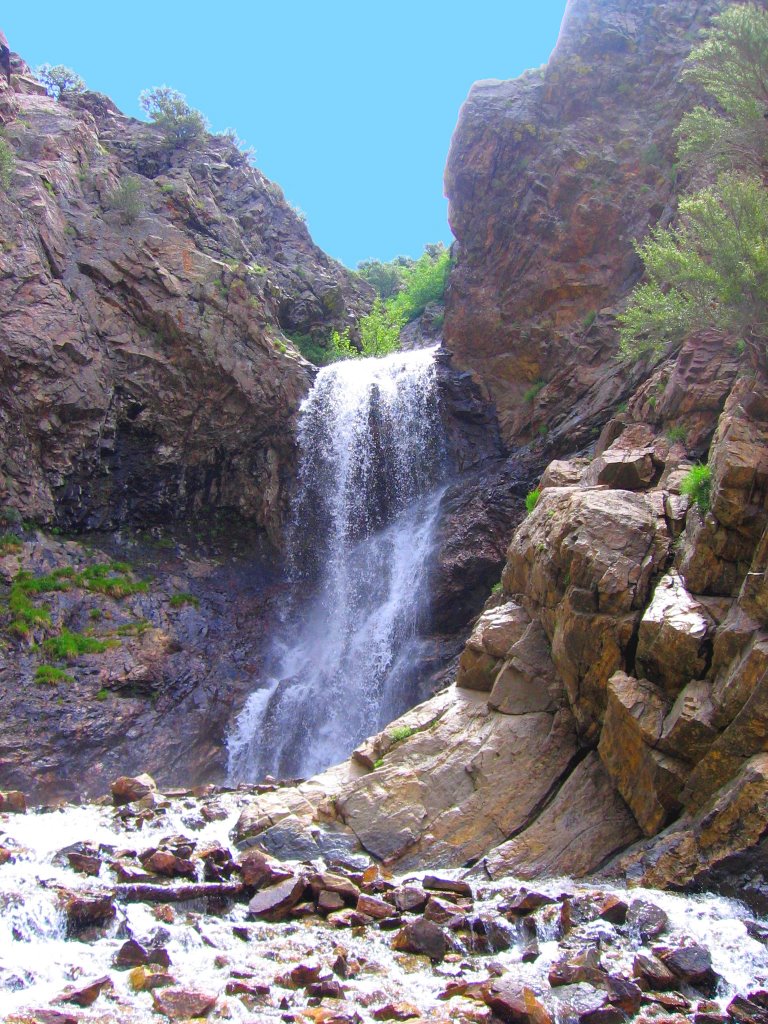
{"x":609,"y":709}
{"x":146,"y":372}
{"x":550,"y":178}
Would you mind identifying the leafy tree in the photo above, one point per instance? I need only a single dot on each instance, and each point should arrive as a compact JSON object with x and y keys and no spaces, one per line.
{"x":424,"y":282}
{"x":179,"y":124}
{"x":732,"y":65}
{"x":386,"y":278}
{"x":379,"y":335}
{"x":59,"y":79}
{"x":709,"y":272}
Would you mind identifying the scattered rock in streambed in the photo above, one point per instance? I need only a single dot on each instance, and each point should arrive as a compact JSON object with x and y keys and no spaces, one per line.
{"x":181,"y":1004}
{"x":127,"y":789}
{"x":86,"y":995}
{"x":422,"y":936}
{"x":277,"y":901}
{"x":132,"y":954}
{"x":691,"y":964}
{"x":12,"y":801}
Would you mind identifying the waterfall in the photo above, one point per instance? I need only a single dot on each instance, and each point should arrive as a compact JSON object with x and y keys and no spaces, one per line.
{"x":371,"y":466}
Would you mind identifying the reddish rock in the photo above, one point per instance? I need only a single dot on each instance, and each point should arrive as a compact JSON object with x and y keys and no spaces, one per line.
{"x":648,"y":920}
{"x":396,"y":1011}
{"x":12,"y":801}
{"x":442,"y":911}
{"x":651,"y":970}
{"x":435,"y":883}
{"x":83,"y":910}
{"x":163,"y":863}
{"x":692,"y":964}
{"x":410,"y":899}
{"x":331,"y":882}
{"x":259,"y":870}
{"x":86,"y":995}
{"x":180,"y":1004}
{"x":421,"y":936}
{"x":373,"y":907}
{"x":133,"y":954}
{"x":127,"y":789}
{"x":328,"y":902}
{"x":277,"y":901}
{"x":515,"y":1003}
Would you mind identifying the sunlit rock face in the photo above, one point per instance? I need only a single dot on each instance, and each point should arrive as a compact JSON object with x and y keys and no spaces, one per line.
{"x":550,"y":179}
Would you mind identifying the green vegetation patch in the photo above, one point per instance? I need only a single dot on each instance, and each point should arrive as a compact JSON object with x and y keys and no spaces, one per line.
{"x":401,"y":732}
{"x":696,"y":484}
{"x":533,"y":390}
{"x":9,"y":543}
{"x":69,"y":645}
{"x":51,"y":674}
{"x":532,"y":499}
{"x":182,"y":598}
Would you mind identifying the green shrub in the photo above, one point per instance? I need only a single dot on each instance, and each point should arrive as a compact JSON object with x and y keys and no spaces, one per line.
{"x":50,"y":674}
{"x":136,"y":628}
{"x":533,"y":390}
{"x":731,"y":64}
{"x":677,"y":433}
{"x":423,"y":283}
{"x":69,"y":645}
{"x":9,"y":542}
{"x":386,"y":278}
{"x":379,"y":335}
{"x":59,"y":79}
{"x":589,"y":319}
{"x":127,"y":199}
{"x":497,"y":587}
{"x":401,"y":732}
{"x":696,"y":485}
{"x":102,"y":694}
{"x":532,"y":499}
{"x":180,"y":125}
{"x":182,"y":598}
{"x":709,"y":272}
{"x":7,"y":163}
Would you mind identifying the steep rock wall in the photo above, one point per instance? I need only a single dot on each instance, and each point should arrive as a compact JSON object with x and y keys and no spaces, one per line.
{"x":550,"y":178}
{"x":145,"y":373}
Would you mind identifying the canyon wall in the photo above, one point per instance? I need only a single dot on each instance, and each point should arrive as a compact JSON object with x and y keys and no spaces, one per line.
{"x":146,"y":373}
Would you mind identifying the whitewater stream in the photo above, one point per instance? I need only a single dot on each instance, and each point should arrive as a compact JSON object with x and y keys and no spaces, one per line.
{"x":370,"y":479}
{"x":242,"y":964}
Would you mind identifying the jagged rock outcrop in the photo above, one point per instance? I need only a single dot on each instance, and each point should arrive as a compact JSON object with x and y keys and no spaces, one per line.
{"x":146,"y":373}
{"x":550,"y":178}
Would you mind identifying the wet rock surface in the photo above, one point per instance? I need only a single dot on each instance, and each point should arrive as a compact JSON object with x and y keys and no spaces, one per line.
{"x":495,"y":951}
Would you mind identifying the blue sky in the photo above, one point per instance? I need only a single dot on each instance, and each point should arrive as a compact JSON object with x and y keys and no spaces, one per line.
{"x":350,"y":106}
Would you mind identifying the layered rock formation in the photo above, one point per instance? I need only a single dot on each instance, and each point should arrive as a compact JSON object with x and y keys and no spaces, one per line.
{"x":145,"y":369}
{"x":550,"y":178}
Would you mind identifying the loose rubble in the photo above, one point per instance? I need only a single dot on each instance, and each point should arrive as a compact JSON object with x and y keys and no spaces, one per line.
{"x":206,"y":931}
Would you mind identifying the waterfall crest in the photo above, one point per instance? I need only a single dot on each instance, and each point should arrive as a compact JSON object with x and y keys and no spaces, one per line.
{"x":371,"y":465}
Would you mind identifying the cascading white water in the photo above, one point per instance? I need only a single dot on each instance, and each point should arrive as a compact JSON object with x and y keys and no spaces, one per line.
{"x":369,"y":485}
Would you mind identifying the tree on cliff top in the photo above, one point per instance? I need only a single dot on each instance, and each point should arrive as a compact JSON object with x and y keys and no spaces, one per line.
{"x":711,"y":271}
{"x":179,"y":124}
{"x":59,"y":79}
{"x":732,"y":65}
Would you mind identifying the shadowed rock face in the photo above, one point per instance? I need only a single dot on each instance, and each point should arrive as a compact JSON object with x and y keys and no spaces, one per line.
{"x":145,"y":375}
{"x":550,"y":178}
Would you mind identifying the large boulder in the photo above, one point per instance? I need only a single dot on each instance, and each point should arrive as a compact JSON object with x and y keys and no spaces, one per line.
{"x":674,"y":636}
{"x":582,"y":564}
{"x":649,"y":780}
